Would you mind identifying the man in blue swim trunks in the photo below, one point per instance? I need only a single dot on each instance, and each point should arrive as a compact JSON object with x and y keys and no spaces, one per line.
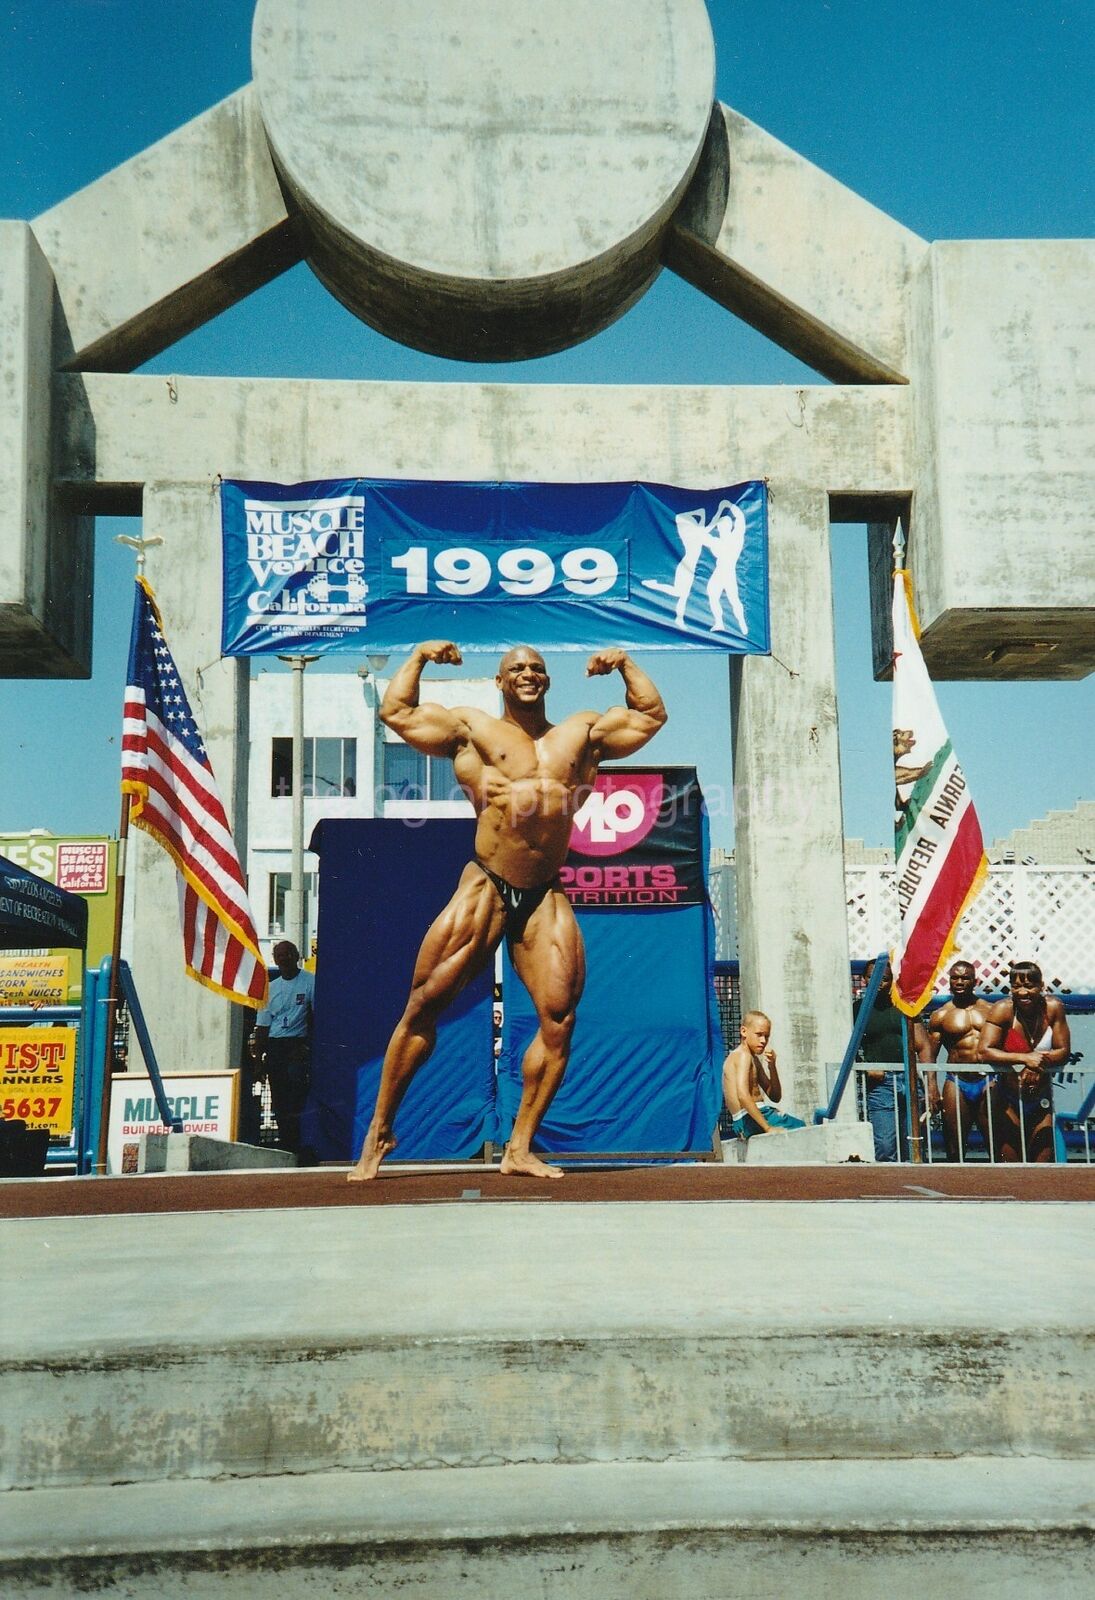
{"x":526,"y":778}
{"x":968,"y":1096}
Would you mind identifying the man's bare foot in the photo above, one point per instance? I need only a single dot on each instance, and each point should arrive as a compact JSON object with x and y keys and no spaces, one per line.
{"x":376,"y":1147}
{"x":524,"y":1164}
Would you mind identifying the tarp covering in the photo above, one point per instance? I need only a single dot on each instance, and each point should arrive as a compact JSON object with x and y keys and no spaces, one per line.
{"x":383,"y":881}
{"x":36,"y":915}
{"x":644,"y":1070}
{"x":644,"y":1073}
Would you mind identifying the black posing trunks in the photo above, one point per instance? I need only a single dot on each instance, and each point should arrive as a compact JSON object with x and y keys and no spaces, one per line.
{"x":519,"y":903}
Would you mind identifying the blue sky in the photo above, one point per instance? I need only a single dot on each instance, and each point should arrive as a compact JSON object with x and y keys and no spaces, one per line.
{"x":964,"y":120}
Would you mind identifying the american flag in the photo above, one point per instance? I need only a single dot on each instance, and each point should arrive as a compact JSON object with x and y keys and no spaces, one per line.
{"x":166,"y":770}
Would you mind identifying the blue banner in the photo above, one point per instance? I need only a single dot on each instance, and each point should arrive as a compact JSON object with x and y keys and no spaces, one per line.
{"x":375,"y":565}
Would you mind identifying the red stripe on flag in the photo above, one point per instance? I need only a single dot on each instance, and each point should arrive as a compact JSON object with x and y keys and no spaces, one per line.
{"x":933,"y":925}
{"x":180,"y":806}
{"x":233,"y":955}
{"x":228,"y":890}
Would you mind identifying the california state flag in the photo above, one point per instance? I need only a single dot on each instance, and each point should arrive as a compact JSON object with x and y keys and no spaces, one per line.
{"x":941,"y":862}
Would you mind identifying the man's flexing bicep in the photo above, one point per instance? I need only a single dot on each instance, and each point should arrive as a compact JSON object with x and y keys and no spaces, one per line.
{"x":619,"y":732}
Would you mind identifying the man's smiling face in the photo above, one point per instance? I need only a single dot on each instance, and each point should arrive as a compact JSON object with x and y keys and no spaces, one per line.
{"x":522,"y":676}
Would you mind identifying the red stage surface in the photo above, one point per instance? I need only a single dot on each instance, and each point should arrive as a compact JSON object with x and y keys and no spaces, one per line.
{"x":270,"y":1189}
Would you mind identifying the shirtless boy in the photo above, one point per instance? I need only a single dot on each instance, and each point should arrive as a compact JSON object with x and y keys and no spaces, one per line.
{"x":1028,"y":1036}
{"x":525,"y":777}
{"x":750,"y":1081}
{"x":969,"y":1098}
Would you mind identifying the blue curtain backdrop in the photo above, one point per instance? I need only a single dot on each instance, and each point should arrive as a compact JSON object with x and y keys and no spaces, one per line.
{"x":383,"y":881}
{"x":645,"y":1067}
{"x":644,"y":1072}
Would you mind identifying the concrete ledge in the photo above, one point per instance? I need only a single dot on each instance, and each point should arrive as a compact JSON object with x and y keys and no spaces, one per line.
{"x":197,"y":1152}
{"x":833,"y":1530}
{"x":378,"y":1405}
{"x":469,"y":1334}
{"x":829,"y":1142}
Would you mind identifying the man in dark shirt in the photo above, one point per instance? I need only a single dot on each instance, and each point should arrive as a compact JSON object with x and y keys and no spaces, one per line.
{"x":883,"y":1087}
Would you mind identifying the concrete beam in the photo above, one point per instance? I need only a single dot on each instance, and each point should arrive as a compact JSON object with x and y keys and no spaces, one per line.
{"x":120,"y":431}
{"x":45,"y":551}
{"x":1002,"y":549}
{"x":168,"y":240}
{"x":794,"y":253}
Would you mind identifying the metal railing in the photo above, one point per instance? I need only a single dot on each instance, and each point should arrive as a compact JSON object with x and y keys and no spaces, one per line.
{"x":973,"y":1125}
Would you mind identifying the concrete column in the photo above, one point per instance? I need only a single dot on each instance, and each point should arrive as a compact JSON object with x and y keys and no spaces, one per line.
{"x":191,"y":1026}
{"x":45,"y":550}
{"x":792,"y":934}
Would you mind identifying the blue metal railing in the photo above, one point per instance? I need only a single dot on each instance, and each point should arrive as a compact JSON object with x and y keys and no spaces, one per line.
{"x":96,"y":1053}
{"x":870,"y":994}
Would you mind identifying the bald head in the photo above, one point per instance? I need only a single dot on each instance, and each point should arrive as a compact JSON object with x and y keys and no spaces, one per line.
{"x":519,"y":652}
{"x":523,"y":680}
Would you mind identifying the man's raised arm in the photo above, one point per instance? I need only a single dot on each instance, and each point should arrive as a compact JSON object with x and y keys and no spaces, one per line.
{"x":433,"y":729}
{"x":621,"y":731}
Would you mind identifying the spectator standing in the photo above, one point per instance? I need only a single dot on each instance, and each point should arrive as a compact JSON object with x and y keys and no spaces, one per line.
{"x":884,"y":1089}
{"x":282,"y":1042}
{"x":1027,"y":1035}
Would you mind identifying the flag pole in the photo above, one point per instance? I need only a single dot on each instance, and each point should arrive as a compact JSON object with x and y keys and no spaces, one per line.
{"x":140,"y":546}
{"x":912,"y":1100}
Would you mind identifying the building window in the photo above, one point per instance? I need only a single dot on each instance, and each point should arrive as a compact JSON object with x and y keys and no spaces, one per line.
{"x":330,"y":767}
{"x":280,"y":885}
{"x":407,"y":774}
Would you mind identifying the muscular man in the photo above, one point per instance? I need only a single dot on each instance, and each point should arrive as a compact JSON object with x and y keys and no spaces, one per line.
{"x":525,"y":777}
{"x":1028,"y":1035}
{"x":969,"y":1098}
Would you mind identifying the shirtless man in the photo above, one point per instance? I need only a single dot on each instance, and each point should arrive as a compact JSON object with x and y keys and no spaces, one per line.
{"x":969,"y":1098}
{"x":750,"y":1081}
{"x":1028,"y":1035}
{"x":526,"y":777}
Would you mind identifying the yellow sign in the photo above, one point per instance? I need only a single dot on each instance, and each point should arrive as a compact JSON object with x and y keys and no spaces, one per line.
{"x":34,"y":980}
{"x":37,"y":1069}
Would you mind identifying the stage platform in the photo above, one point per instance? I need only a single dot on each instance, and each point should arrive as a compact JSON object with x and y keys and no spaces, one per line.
{"x":471,"y":1181}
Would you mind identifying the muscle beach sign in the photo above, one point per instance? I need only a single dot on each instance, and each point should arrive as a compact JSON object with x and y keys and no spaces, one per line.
{"x":367,"y":564}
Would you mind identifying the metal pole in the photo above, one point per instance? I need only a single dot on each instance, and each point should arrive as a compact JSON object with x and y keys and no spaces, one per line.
{"x":912,"y":1103}
{"x":298,"y":929}
{"x":141,"y":546}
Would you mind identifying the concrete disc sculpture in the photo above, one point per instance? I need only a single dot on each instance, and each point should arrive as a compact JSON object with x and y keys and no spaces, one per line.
{"x":485,"y":180}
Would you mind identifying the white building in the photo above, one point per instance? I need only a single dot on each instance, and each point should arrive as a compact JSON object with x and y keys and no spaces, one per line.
{"x":353,"y":767}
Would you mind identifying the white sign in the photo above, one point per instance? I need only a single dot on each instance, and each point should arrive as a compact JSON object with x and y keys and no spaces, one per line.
{"x":205,"y":1102}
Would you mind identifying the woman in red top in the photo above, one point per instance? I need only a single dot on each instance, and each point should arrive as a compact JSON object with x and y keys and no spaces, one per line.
{"x":1028,"y":1033}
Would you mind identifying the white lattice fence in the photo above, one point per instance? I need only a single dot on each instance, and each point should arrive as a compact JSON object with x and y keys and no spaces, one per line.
{"x":1043,"y":914}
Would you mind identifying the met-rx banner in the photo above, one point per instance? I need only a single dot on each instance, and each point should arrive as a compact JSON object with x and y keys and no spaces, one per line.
{"x":367,"y":564}
{"x":637,"y":841}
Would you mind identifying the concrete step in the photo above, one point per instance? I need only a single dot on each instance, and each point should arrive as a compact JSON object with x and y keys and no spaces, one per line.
{"x":205,"y":1345}
{"x":260,"y":1408}
{"x":829,"y":1530}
